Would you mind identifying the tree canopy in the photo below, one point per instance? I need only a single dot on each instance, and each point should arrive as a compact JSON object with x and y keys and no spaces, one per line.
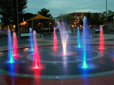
{"x":9,"y":10}
{"x":94,"y":19}
{"x":110,"y":15}
{"x":65,"y":18}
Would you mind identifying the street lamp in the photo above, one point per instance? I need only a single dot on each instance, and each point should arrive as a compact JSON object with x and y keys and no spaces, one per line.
{"x":17,"y":24}
{"x":106,"y":16}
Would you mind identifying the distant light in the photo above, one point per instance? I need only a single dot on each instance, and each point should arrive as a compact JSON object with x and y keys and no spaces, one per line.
{"x":57,"y":22}
{"x":26,"y":49}
{"x":13,"y":26}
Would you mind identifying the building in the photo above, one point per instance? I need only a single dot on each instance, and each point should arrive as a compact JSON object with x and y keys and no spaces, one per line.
{"x":76,"y":16}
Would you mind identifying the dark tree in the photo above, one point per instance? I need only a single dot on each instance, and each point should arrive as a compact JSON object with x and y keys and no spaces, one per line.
{"x":81,"y":22}
{"x":27,"y":16}
{"x":88,"y":15}
{"x":9,"y":10}
{"x":65,"y":18}
{"x":109,"y":15}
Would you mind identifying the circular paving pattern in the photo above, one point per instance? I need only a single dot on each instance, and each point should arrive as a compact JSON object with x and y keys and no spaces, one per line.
{"x":55,"y":65}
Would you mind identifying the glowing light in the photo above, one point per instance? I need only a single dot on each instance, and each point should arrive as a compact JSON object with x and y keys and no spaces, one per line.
{"x":55,"y":41}
{"x":36,"y":67}
{"x":26,"y":49}
{"x":15,"y":51}
{"x":13,"y":26}
{"x":31,"y":39}
{"x":10,"y":50}
{"x":58,"y":22}
{"x":101,"y":45}
{"x":36,"y":57}
{"x":85,"y":65}
{"x":1,"y":53}
{"x":78,"y":37}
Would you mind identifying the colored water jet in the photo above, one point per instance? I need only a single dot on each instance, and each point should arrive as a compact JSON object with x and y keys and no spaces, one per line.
{"x":54,"y":41}
{"x":78,"y":38}
{"x":36,"y":57}
{"x":15,"y":49}
{"x":64,"y":36}
{"x":10,"y":50}
{"x":31,"y":39}
{"x":101,"y":44}
{"x":84,"y":64}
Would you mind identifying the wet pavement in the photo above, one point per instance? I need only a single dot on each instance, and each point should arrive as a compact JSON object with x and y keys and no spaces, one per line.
{"x":56,"y":72}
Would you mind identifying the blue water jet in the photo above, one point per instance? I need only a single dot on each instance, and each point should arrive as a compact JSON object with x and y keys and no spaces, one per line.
{"x":85,"y":26}
{"x":78,"y":38}
{"x":10,"y":50}
{"x":31,"y":40}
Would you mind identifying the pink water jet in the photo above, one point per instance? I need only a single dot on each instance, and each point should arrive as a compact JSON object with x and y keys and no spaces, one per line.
{"x":101,"y":44}
{"x":54,"y":41}
{"x":36,"y":57}
{"x":15,"y":49}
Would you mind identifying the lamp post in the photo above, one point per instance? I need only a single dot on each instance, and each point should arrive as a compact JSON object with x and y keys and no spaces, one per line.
{"x":106,"y":16}
{"x":17,"y":24}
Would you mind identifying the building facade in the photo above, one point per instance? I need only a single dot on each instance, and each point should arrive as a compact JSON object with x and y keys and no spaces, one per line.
{"x":76,"y":16}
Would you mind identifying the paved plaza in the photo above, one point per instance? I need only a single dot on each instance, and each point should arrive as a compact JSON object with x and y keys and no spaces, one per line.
{"x":56,"y":68}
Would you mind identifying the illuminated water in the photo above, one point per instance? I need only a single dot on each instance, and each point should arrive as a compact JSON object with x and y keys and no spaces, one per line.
{"x":78,"y":38}
{"x":15,"y":46}
{"x":10,"y":50}
{"x":101,"y":44}
{"x":54,"y":41}
{"x":64,"y":36}
{"x":85,"y":42}
{"x":36,"y":57}
{"x":31,"y":39}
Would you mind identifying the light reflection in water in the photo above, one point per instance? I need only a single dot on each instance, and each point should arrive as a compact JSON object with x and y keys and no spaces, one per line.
{"x":37,"y":76}
{"x":12,"y":71}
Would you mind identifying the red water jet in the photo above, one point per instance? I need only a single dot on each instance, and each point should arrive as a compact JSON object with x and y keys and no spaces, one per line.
{"x":36,"y":57}
{"x":15,"y":50}
{"x":54,"y":41}
{"x":101,"y":44}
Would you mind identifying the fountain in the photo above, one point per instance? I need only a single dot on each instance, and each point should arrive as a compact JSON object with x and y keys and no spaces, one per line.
{"x":15,"y":50}
{"x":101,"y":45}
{"x":54,"y":41}
{"x":64,"y":36}
{"x":31,"y":39}
{"x":36,"y":57}
{"x":85,"y":42}
{"x":10,"y":50}
{"x":78,"y":38}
